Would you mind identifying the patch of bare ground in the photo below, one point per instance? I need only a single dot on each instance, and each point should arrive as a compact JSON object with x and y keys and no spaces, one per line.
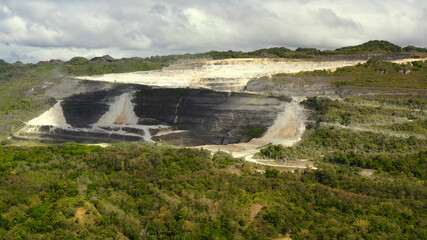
{"x":119,"y":236}
{"x":80,"y":216}
{"x":234,"y":170}
{"x":255,"y":209}
{"x":371,"y":129}
{"x":286,"y":237}
{"x":367,"y":172}
{"x":89,"y":215}
{"x":86,"y":214}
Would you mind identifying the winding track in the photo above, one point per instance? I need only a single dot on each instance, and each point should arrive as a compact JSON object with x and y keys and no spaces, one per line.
{"x":286,"y":130}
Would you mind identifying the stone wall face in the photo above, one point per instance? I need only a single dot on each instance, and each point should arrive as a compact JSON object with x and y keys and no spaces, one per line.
{"x":212,"y":117}
{"x":188,"y":116}
{"x":220,"y":75}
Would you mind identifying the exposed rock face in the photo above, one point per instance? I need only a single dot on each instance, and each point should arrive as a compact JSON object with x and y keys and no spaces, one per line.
{"x":294,"y":87}
{"x":381,"y":71}
{"x":71,"y":87}
{"x":302,"y":87}
{"x":220,"y":75}
{"x":210,"y":117}
{"x":59,"y":134}
{"x":83,"y":110}
{"x":54,"y":116}
{"x":223,"y":75}
{"x":133,"y":113}
{"x":404,"y":71}
{"x":236,"y":94}
{"x":286,"y":130}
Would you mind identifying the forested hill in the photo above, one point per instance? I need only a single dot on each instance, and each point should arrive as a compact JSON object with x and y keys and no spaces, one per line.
{"x":379,"y":48}
{"x":139,"y":191}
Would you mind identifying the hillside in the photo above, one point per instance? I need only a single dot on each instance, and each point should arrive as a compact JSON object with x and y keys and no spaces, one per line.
{"x":275,"y":144}
{"x":139,"y":191}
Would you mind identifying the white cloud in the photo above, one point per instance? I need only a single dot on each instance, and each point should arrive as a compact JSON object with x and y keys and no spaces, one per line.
{"x":39,"y":30}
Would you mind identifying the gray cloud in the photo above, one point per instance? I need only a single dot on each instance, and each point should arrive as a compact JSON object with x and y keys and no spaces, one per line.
{"x":40,"y":30}
{"x":329,"y":18}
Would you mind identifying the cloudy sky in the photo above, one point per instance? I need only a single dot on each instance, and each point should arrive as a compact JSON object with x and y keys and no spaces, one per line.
{"x":41,"y":30}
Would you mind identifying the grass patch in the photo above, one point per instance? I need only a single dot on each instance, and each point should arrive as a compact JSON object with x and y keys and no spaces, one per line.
{"x":376,"y":73}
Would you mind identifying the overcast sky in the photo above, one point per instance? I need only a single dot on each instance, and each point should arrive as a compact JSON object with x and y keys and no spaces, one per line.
{"x":60,"y":29}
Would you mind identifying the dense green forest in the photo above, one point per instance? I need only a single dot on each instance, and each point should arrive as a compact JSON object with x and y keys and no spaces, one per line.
{"x":368,"y":49}
{"x":142,"y":191}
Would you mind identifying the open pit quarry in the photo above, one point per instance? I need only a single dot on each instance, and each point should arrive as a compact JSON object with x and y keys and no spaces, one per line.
{"x":206,"y":104}
{"x":219,"y":75}
{"x":223,"y":75}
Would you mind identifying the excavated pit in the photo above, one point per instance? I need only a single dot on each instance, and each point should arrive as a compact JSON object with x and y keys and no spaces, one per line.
{"x":183,"y":117}
{"x":220,"y":75}
{"x":208,"y":103}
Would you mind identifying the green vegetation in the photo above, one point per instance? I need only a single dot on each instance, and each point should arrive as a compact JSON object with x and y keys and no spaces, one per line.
{"x":139,"y":191}
{"x":387,"y":135}
{"x":361,"y":111}
{"x":375,"y":73}
{"x":379,"y":48}
{"x":417,"y":126}
{"x":22,"y":88}
{"x":21,"y":93}
{"x":253,"y":132}
{"x":102,"y":65}
{"x":374,"y":46}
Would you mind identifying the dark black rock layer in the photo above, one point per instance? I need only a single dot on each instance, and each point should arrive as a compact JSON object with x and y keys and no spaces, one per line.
{"x":210,"y":117}
{"x":55,"y":134}
{"x":82,"y":110}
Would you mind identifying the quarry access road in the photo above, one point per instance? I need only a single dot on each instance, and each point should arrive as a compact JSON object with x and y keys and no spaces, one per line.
{"x":286,"y":130}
